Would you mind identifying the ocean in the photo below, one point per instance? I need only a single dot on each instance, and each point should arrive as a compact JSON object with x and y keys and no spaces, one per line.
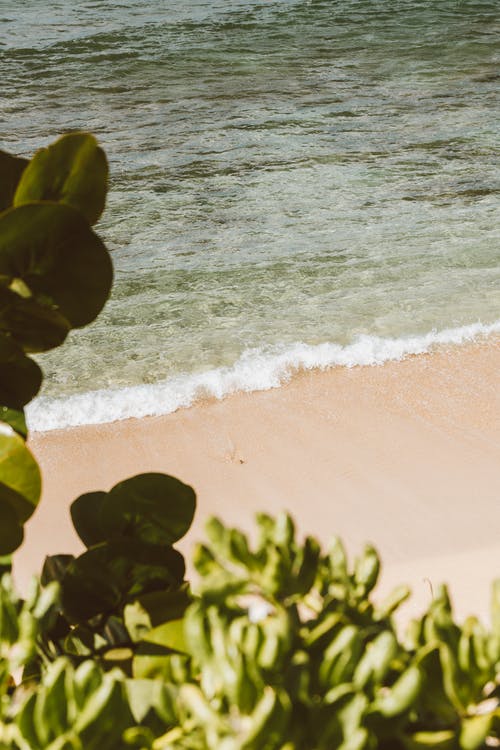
{"x":294,"y":185}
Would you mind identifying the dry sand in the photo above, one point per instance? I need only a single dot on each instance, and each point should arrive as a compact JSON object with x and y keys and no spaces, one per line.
{"x":405,"y":455}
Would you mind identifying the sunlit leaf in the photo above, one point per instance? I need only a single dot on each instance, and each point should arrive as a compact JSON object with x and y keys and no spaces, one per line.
{"x":73,"y":170}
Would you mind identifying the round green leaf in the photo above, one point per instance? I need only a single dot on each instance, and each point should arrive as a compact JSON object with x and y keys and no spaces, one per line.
{"x":19,"y":474}
{"x":51,"y":249}
{"x":54,"y":568}
{"x":11,"y":169}
{"x":104,"y":576}
{"x":11,"y":531}
{"x":155,"y":508}
{"x":16,"y":419}
{"x":73,"y":170}
{"x":87,"y":588}
{"x":34,"y":326}
{"x":20,"y":376}
{"x":85,"y":514}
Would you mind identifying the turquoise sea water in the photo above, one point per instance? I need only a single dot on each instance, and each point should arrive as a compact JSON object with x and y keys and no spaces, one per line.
{"x":294,"y":184}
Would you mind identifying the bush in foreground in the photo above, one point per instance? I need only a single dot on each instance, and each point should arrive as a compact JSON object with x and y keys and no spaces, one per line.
{"x":281,"y":646}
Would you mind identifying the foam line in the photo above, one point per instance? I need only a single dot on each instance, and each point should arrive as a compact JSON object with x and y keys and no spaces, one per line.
{"x":255,"y":370}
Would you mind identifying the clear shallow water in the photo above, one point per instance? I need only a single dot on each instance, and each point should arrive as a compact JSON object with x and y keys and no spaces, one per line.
{"x":293,"y":183}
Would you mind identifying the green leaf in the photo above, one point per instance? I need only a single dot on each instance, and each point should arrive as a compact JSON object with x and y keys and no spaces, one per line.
{"x":33,"y":325}
{"x":85,"y":514}
{"x":54,"y":568}
{"x":140,"y":694}
{"x":11,"y":169}
{"x":169,"y":634}
{"x":11,"y":531}
{"x":50,"y":248}
{"x":153,"y":609}
{"x":16,"y":419}
{"x":154,"y":508}
{"x":474,"y":731}
{"x":20,"y":482}
{"x":402,"y":695}
{"x":440,"y":740}
{"x":5,"y":564}
{"x":366,"y":570}
{"x":87,"y":587}
{"x":106,"y":575}
{"x":104,"y":717}
{"x":73,"y":170}
{"x":54,"y":703}
{"x":20,"y":376}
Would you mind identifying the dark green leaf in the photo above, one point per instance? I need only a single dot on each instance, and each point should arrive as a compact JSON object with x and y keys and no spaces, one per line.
{"x":138,"y":567}
{"x":54,"y":568}
{"x":73,"y":170}
{"x":11,"y":531}
{"x":155,"y":508}
{"x":88,"y":589}
{"x":34,"y":326}
{"x":85,"y":514}
{"x":5,"y":564}
{"x":162,"y":606}
{"x":20,"y":376}
{"x":103,"y":577}
{"x":11,"y":169}
{"x":51,"y":250}
{"x":19,"y":474}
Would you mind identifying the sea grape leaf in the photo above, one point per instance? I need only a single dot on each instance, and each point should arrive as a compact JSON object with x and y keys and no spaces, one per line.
{"x":154,"y":508}
{"x":138,"y":566}
{"x":19,"y":474}
{"x":85,"y":514}
{"x":50,"y":248}
{"x":11,"y":169}
{"x":162,"y":606}
{"x":54,"y":568}
{"x":20,"y":376}
{"x":73,"y":171}
{"x":11,"y":531}
{"x":16,"y":419}
{"x":107,"y":574}
{"x":20,"y":487}
{"x":34,"y":326}
{"x":87,"y":588}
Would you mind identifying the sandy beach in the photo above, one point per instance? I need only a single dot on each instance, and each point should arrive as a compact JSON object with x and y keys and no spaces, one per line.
{"x":404,"y":455}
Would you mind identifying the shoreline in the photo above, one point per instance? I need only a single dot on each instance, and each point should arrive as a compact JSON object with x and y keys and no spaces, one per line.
{"x":255,"y":370}
{"x":405,"y":455}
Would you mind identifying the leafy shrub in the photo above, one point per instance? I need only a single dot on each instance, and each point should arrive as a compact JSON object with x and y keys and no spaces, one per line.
{"x":283,"y":646}
{"x":55,"y":275}
{"x":280,"y":647}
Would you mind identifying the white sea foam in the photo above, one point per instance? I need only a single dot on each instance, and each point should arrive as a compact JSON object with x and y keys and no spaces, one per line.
{"x":255,"y":370}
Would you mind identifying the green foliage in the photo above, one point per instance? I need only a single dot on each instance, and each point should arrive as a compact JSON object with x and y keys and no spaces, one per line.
{"x":299,"y":655}
{"x":72,"y":171}
{"x":130,"y":579}
{"x":55,"y":275}
{"x":11,"y":169}
{"x":284,"y":646}
{"x":19,"y":488}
